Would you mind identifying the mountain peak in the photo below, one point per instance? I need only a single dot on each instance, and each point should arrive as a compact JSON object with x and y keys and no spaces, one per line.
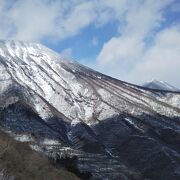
{"x":22,"y":48}
{"x":159,"y":85}
{"x":18,"y":43}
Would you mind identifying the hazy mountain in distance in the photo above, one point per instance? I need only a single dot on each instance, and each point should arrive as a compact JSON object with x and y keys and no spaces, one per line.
{"x":160,"y":85}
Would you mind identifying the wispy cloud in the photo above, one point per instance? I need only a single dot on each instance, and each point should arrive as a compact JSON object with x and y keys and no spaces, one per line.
{"x":161,"y":60}
{"x":67,"y":53}
{"x":33,"y":20}
{"x":140,"y":20}
{"x":144,"y":48}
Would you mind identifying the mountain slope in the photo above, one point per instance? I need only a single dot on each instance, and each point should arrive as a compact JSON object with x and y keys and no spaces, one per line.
{"x":160,"y":85}
{"x":18,"y":161}
{"x":73,"y":110}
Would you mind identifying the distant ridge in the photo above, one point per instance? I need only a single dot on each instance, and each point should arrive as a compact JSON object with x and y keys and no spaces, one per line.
{"x":160,"y":85}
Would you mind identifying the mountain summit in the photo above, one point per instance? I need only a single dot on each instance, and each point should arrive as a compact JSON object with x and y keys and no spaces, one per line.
{"x":66,"y":109}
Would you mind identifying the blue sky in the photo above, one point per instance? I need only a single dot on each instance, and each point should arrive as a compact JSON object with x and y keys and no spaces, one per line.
{"x":87,"y":44}
{"x":135,"y":41}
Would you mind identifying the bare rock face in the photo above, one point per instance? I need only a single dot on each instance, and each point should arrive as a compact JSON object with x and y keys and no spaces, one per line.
{"x":111,"y":129}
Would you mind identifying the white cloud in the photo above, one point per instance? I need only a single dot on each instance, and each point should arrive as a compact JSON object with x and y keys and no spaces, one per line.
{"x":27,"y":20}
{"x":67,"y":53}
{"x":160,"y":61}
{"x":141,"y":18}
{"x":33,"y":20}
{"x":123,"y":48}
{"x":131,"y":57}
{"x":78,"y":18}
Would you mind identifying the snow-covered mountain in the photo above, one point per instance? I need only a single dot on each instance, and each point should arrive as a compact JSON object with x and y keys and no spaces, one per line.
{"x":111,"y":126}
{"x":160,"y":85}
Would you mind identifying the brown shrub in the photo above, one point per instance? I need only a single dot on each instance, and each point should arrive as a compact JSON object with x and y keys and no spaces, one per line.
{"x":24,"y":164}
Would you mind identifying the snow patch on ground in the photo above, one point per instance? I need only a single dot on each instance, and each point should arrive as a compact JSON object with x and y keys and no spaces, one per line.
{"x":23,"y":138}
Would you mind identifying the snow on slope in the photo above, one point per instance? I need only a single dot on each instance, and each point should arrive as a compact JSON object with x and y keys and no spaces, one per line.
{"x":160,"y":85}
{"x":52,"y":86}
